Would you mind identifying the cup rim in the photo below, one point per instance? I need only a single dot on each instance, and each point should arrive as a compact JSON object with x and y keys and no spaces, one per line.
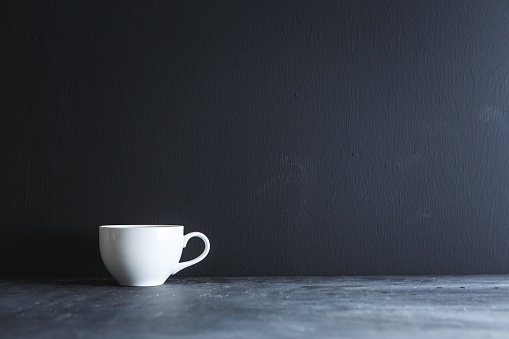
{"x":140,"y":226}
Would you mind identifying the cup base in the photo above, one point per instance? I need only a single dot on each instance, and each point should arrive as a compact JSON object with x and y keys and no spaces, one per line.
{"x":140,"y":283}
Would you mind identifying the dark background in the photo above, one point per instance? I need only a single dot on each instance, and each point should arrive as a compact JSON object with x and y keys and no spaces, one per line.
{"x":304,"y":138}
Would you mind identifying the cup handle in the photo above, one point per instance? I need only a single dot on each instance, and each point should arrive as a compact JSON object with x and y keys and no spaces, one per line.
{"x":182,"y":265}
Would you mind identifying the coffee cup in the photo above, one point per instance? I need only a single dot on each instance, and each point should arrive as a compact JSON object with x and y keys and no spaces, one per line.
{"x":145,"y":255}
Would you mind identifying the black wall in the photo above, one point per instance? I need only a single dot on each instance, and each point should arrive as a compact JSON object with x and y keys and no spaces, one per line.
{"x":304,"y":138}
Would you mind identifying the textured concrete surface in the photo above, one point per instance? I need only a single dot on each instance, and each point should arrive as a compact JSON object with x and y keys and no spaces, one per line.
{"x":298,"y":307}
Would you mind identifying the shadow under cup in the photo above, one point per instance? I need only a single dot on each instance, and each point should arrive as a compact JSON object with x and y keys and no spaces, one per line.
{"x":145,"y":255}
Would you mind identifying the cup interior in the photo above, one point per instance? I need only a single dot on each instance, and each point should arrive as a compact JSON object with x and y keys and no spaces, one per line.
{"x":139,"y":226}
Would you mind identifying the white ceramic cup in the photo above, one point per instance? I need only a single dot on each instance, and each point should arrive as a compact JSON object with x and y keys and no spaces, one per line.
{"x":145,"y":255}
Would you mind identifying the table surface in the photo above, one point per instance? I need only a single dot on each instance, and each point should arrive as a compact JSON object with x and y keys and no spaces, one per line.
{"x":256,"y":307}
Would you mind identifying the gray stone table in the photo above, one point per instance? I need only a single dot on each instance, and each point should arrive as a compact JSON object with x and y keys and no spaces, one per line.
{"x":259,"y":307}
